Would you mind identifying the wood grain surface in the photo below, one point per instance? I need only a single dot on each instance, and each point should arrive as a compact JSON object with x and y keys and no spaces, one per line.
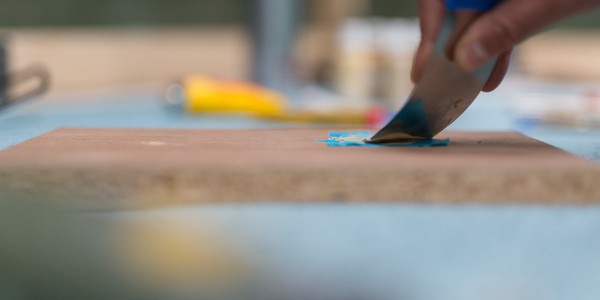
{"x":129,"y":168}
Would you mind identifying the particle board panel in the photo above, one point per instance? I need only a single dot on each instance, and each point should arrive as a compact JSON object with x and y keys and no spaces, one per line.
{"x":130,"y":168}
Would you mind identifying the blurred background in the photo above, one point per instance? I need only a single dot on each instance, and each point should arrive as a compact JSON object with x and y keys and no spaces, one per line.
{"x":353,"y":55}
{"x":109,"y":43}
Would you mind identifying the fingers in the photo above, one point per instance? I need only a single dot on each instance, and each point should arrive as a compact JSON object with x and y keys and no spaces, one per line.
{"x":499,"y":72}
{"x":425,"y":49}
{"x":431,"y":14}
{"x":493,"y":34}
{"x":462,"y":20}
{"x":509,"y":23}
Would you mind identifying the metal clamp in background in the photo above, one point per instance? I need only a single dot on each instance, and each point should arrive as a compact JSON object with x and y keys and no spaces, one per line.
{"x":13,"y":85}
{"x":9,"y":85}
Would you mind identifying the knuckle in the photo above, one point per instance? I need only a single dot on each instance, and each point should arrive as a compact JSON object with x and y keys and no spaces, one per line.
{"x":505,"y":32}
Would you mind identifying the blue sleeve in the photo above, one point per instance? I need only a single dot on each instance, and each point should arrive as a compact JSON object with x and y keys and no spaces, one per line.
{"x":481,"y":5}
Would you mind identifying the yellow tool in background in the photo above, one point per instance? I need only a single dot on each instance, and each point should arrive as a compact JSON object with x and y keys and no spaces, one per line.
{"x":202,"y":94}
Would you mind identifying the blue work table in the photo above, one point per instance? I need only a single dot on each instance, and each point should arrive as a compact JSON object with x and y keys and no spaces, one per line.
{"x":379,"y":251}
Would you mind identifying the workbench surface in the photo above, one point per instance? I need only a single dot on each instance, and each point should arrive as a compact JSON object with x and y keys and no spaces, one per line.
{"x":379,"y":251}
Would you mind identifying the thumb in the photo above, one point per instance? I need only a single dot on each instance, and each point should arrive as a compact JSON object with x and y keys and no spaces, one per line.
{"x":509,"y":23}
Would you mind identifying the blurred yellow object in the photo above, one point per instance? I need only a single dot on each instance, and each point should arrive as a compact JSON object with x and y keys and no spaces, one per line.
{"x":170,"y":256}
{"x":201,"y":94}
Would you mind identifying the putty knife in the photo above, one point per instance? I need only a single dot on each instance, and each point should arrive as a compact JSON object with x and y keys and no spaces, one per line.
{"x":444,"y":91}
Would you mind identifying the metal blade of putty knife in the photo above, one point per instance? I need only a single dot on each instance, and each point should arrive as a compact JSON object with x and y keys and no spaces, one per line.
{"x":442,"y":94}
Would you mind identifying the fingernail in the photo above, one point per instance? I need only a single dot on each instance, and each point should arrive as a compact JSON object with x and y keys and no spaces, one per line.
{"x":472,"y":56}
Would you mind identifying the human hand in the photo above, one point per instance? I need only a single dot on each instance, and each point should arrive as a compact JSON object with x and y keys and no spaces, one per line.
{"x":494,"y":33}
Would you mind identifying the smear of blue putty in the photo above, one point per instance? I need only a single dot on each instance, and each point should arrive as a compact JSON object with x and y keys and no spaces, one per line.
{"x":336,"y":139}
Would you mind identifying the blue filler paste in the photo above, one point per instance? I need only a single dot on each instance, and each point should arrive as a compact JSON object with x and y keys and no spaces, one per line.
{"x":355,"y":138}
